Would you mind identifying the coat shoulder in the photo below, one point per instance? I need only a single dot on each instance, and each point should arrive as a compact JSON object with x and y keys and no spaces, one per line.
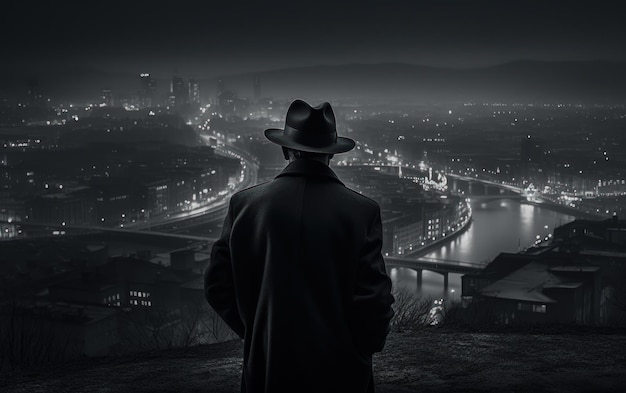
{"x":248,"y":195}
{"x":250,"y":191}
{"x":365,"y":200}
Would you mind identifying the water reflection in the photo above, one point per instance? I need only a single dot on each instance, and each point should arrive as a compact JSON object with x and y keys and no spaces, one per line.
{"x":498,"y":226}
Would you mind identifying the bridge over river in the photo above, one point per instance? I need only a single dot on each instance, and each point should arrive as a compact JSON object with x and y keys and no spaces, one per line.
{"x":437,"y":265}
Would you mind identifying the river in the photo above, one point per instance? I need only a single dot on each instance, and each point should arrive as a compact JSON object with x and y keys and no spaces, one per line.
{"x":503,"y":225}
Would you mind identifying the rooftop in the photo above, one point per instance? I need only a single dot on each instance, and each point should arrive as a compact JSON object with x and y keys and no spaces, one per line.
{"x":527,"y":283}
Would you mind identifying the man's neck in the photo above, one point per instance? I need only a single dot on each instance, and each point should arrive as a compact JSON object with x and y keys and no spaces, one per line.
{"x":322,"y":159}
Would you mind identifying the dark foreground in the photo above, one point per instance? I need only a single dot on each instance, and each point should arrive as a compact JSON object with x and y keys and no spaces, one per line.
{"x":431,"y":360}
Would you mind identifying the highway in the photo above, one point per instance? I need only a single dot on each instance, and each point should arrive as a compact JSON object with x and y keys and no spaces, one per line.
{"x":214,"y":212}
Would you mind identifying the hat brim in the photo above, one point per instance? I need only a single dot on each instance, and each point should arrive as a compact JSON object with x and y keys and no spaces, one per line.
{"x":342,"y":144}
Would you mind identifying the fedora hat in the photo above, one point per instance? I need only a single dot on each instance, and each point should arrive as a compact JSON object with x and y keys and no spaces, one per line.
{"x":310,"y":129}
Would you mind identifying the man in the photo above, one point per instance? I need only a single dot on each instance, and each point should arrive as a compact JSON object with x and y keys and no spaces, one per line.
{"x":298,"y":272}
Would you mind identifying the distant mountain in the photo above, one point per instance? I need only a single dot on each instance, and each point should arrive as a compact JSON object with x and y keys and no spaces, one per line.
{"x":516,"y":81}
{"x":523,"y":81}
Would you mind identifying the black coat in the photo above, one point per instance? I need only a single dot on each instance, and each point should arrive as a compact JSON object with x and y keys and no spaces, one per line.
{"x":298,"y":274}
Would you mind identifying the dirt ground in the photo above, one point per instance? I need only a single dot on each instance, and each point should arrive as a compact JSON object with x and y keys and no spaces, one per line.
{"x":429,"y":360}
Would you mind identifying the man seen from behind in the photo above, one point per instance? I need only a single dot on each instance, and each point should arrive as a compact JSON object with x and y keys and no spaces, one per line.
{"x":298,"y":272}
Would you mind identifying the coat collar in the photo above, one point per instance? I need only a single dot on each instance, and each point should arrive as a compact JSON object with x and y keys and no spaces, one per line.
{"x":308,"y":167}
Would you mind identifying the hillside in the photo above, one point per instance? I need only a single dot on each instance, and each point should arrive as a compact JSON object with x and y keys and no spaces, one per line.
{"x":429,"y":360}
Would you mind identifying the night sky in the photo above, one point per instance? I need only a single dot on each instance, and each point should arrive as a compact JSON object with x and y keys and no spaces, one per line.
{"x":211,"y":38}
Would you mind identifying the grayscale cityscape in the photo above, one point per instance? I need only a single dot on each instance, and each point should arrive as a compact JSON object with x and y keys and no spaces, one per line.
{"x":492,"y":137}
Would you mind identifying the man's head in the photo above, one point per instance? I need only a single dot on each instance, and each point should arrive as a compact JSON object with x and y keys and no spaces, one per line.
{"x":309,"y":132}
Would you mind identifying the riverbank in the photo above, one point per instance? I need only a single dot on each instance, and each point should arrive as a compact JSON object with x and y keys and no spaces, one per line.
{"x":546,"y":204}
{"x":437,"y":243}
{"x":432,"y":359}
{"x":565,"y":210}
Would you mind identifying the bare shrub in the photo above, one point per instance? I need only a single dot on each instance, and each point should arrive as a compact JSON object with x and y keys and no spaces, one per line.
{"x":157,"y":328}
{"x":454,"y":313}
{"x":410,"y":312}
{"x":214,"y":329}
{"x":472,"y":314}
{"x":29,"y":338}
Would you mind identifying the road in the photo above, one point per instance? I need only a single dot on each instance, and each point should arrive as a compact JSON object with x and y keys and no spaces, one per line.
{"x":509,"y":187}
{"x":215,"y":211}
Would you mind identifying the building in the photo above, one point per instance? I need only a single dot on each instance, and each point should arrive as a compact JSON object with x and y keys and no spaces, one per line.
{"x":75,"y":207}
{"x":178,"y":96}
{"x":589,"y":233}
{"x":194,"y":93}
{"x":541,"y":292}
{"x":578,"y":279}
{"x":147,"y":298}
{"x":412,"y":219}
{"x":402,"y":234}
{"x":123,"y":282}
{"x":148,"y":91}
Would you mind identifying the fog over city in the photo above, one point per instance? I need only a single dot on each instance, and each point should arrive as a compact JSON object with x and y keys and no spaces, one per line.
{"x":203,"y":40}
{"x":490,"y":133}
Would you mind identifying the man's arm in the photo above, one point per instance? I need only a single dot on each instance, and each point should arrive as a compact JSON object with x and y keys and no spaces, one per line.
{"x":372,"y":300}
{"x":219,"y":287}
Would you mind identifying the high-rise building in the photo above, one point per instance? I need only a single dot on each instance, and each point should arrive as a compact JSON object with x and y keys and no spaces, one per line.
{"x":147,"y":94}
{"x":179,"y":95}
{"x":194,"y":92}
